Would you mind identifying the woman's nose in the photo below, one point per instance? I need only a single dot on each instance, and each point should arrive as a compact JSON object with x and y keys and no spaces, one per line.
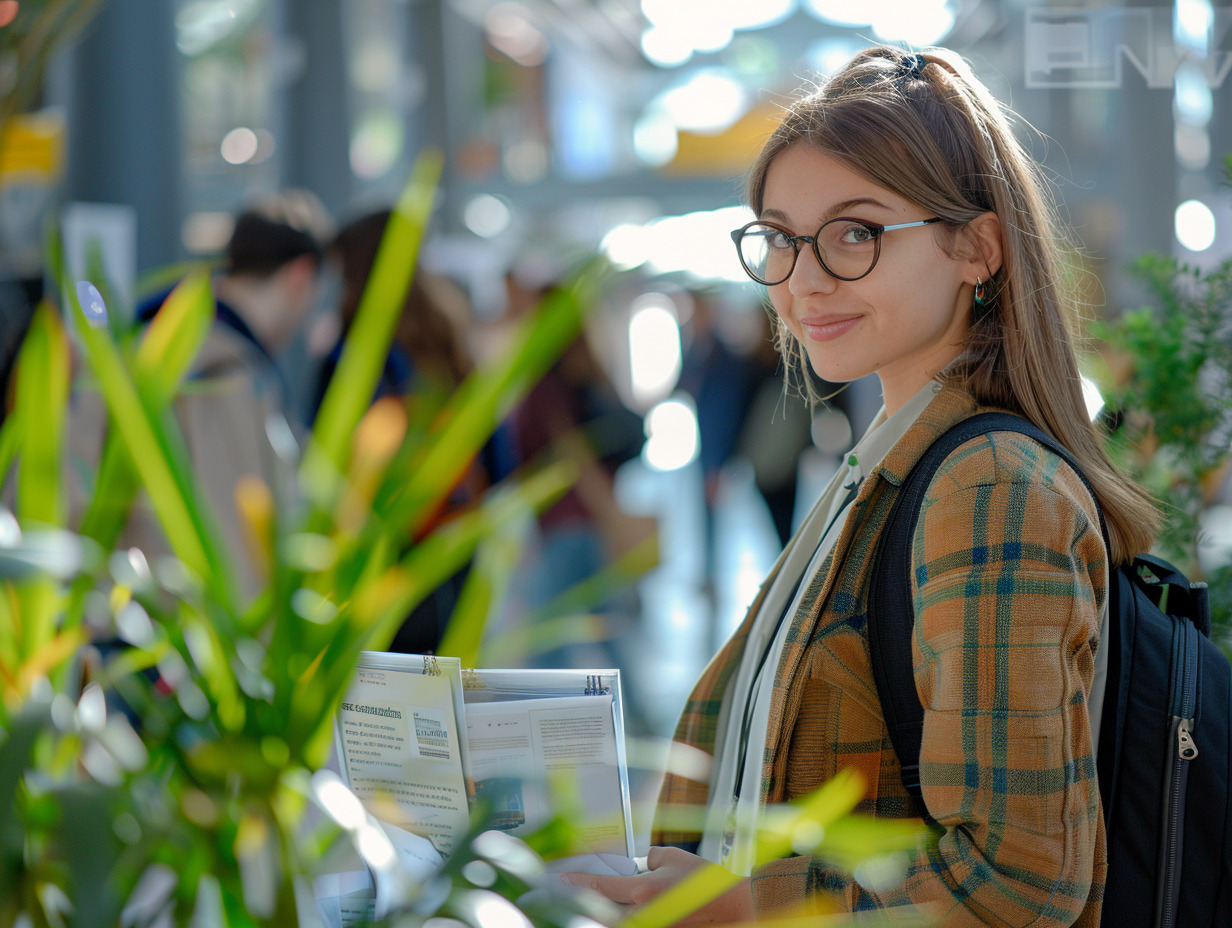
{"x":808,"y":276}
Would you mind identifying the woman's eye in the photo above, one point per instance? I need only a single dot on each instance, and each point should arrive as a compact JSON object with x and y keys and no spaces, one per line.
{"x":778,"y":240}
{"x":856,"y":234}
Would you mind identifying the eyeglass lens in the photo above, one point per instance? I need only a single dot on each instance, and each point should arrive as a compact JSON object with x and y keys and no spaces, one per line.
{"x":848,"y":250}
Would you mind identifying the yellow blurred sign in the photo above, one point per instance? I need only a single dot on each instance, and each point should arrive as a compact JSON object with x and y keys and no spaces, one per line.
{"x":729,"y":152}
{"x":32,"y":148}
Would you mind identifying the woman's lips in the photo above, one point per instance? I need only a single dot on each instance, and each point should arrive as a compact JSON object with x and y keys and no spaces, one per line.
{"x":825,"y":330}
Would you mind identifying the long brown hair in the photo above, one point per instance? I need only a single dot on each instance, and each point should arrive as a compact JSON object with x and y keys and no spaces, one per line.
{"x":925,"y":128}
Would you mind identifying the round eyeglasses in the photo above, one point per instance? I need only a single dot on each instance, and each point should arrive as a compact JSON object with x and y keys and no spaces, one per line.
{"x":845,"y":248}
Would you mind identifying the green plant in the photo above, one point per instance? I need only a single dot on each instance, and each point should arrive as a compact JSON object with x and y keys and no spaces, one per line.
{"x":1168,"y":379}
{"x":213,"y":784}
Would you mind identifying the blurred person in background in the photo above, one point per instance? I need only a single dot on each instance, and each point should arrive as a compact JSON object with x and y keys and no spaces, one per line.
{"x":232,"y":409}
{"x":427,"y":361}
{"x":773,"y":432}
{"x":575,"y":413}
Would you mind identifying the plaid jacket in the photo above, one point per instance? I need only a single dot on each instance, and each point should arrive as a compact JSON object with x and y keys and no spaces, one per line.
{"x":1009,"y":576}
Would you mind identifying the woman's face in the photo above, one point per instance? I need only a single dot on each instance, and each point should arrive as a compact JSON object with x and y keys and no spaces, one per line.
{"x":904,"y":321}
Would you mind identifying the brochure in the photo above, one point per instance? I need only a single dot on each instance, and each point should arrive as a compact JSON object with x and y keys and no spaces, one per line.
{"x":420,"y":740}
{"x":401,"y":745}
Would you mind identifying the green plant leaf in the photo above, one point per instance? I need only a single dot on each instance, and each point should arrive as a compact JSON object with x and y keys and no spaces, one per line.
{"x":367,"y":345}
{"x":496,"y":557}
{"x":175,"y":336}
{"x":487,"y":396}
{"x":159,"y":459}
{"x":373,"y":616}
{"x":42,"y":394}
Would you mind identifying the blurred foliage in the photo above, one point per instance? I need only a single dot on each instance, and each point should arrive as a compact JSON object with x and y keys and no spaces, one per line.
{"x":205,"y":775}
{"x":28,"y":44}
{"x":1167,"y":381}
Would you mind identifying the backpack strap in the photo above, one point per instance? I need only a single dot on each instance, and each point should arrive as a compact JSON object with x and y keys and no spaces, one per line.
{"x":891,"y":613}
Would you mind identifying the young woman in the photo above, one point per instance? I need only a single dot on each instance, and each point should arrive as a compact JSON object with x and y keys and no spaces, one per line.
{"x":901,"y":230}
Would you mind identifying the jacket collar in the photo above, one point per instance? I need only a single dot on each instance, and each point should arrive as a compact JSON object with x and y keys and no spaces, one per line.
{"x":951,"y":405}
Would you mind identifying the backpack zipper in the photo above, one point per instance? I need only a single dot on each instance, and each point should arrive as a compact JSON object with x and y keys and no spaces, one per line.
{"x":1178,"y":773}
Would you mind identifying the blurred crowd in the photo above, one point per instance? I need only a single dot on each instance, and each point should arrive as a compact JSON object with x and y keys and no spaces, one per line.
{"x":287,"y":289}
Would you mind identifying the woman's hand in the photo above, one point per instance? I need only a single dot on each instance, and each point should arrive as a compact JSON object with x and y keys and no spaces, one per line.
{"x":667,"y":867}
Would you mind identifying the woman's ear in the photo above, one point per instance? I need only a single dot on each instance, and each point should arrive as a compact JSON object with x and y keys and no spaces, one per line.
{"x":983,"y":233}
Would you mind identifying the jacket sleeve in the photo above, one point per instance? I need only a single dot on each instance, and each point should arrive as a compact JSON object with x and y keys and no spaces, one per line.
{"x":1008,"y":581}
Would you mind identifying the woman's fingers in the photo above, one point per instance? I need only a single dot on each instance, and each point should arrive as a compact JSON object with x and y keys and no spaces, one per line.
{"x":623,"y":890}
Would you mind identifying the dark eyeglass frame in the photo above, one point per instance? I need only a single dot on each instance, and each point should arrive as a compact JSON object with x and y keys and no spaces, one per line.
{"x":876,"y":228}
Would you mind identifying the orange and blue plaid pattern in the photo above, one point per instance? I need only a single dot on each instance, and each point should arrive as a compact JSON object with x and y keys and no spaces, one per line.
{"x":1009,"y":578}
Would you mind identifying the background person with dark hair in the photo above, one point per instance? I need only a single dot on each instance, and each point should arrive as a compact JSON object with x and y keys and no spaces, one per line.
{"x":232,"y":409}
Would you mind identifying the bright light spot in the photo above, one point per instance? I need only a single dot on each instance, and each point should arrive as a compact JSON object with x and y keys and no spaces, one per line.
{"x":740,"y":14}
{"x":881,"y":873}
{"x":487,"y":216}
{"x":342,"y":805}
{"x":1193,"y":147}
{"x":493,"y":911}
{"x":311,"y":606}
{"x":375,"y":68}
{"x":655,"y":139}
{"x":509,"y":31}
{"x":671,"y":435}
{"x":1092,"y":397}
{"x":375,"y":847}
{"x":680,"y":27}
{"x":914,"y":22}
{"x":376,"y":144}
{"x":1192,"y":21}
{"x":698,"y":244}
{"x":625,"y":246}
{"x":709,"y":102}
{"x":840,"y":12}
{"x":827,"y":56}
{"x":10,"y":529}
{"x":654,"y":348}
{"x":1195,"y":225}
{"x":710,"y":34}
{"x":202,"y":24}
{"x":92,"y":709}
{"x":1194,"y":101}
{"x":239,"y":145}
{"x":526,"y":161}
{"x":806,"y":835}
{"x":479,"y":873}
{"x":508,"y":853}
{"x":665,"y":48}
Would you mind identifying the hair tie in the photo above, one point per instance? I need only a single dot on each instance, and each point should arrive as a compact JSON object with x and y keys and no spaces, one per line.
{"x":912,"y":66}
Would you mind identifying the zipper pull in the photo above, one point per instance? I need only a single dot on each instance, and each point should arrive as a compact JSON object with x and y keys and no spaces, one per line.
{"x":1185,"y":746}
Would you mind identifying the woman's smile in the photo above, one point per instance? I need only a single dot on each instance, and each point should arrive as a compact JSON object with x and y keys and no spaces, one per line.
{"x":829,"y":327}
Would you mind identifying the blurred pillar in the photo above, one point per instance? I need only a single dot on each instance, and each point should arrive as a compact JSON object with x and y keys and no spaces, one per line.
{"x":315,"y":135}
{"x":1147,"y":180}
{"x":121,"y":83}
{"x":449,"y":48}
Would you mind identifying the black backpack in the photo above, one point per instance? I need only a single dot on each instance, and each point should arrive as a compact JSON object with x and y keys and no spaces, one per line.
{"x":1164,"y":757}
